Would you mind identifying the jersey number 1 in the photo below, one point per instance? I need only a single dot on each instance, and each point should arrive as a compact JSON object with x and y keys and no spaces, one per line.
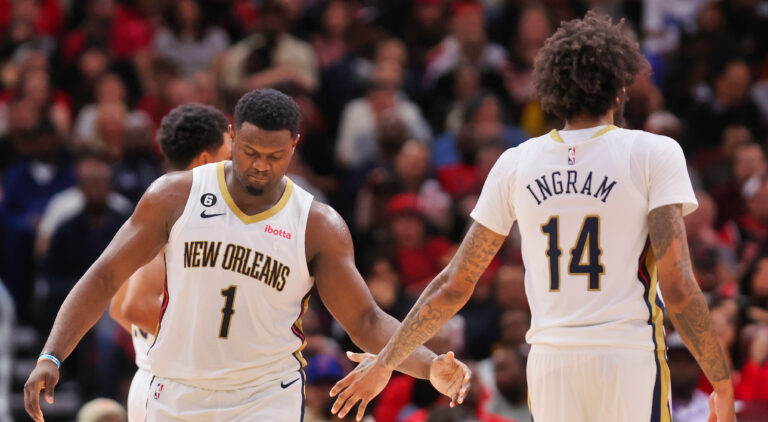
{"x":227,"y":311}
{"x":589,"y":238}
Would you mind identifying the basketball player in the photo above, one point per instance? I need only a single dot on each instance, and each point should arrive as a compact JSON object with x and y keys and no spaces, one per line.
{"x":190,"y":136}
{"x":242,"y":246}
{"x":600,"y":211}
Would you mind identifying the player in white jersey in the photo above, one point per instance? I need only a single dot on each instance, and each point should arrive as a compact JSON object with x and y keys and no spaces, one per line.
{"x":600,"y":215}
{"x":190,"y":136}
{"x":242,"y":247}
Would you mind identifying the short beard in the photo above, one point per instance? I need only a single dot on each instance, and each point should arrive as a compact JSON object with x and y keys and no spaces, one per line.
{"x":254,"y":191}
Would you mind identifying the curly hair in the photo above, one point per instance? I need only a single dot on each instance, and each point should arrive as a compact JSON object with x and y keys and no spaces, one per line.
{"x":268,"y":109}
{"x":188,"y":130}
{"x":583,"y":67}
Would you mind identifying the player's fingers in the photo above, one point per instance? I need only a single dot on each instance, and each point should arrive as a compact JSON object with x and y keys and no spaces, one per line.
{"x":32,"y":400}
{"x":359,"y":357}
{"x":712,"y":410}
{"x":361,"y":409}
{"x":449,"y":357}
{"x":50,"y":385}
{"x":463,"y":392}
{"x":343,"y":383}
{"x":349,"y":405}
{"x":341,"y":400}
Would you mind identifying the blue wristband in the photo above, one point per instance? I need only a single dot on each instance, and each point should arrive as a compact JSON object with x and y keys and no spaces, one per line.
{"x":51,"y":357}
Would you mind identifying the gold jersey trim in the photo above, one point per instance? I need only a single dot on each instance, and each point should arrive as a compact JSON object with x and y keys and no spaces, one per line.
{"x":557,"y":138}
{"x":245,"y":218}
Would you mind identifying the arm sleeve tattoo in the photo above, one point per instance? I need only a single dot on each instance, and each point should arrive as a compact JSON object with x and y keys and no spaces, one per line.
{"x":445,"y":295}
{"x":686,"y":304}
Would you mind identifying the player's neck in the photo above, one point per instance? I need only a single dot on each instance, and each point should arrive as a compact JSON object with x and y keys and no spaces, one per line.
{"x":586,"y":122}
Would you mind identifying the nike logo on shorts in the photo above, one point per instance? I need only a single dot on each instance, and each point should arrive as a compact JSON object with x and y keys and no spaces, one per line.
{"x":204,"y":215}
{"x":282,"y":384}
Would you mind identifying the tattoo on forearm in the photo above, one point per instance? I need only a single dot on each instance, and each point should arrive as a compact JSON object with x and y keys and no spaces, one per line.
{"x":426,"y":317}
{"x":666,"y":228}
{"x":667,"y":231}
{"x":693,"y":323}
{"x":475,"y":253}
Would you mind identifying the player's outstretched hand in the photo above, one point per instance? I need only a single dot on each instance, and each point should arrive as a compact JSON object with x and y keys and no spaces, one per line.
{"x":362,"y":384}
{"x":721,"y":408}
{"x":450,"y":376}
{"x":44,"y":376}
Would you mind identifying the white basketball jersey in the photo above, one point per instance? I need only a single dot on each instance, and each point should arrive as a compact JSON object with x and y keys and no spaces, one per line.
{"x":582,"y":210}
{"x":236,"y":288}
{"x":141,"y":344}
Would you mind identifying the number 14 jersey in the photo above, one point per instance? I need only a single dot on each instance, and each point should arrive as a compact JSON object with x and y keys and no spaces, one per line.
{"x":582,"y":209}
{"x":236,"y":286}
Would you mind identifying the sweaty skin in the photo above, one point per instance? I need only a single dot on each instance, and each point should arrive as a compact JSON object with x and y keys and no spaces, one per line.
{"x":260,"y":159}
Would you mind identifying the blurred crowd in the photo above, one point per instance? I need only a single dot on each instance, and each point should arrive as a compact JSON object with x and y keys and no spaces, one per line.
{"x":405,"y":107}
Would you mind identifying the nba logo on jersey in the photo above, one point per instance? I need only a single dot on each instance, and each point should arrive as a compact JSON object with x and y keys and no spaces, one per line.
{"x":158,"y":389}
{"x":571,"y":156}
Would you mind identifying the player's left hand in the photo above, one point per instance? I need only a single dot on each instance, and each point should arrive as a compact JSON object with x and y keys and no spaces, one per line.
{"x":450,"y":376}
{"x":362,"y":384}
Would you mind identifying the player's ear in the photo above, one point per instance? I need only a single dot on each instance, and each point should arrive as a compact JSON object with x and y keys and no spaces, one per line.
{"x":204,"y":158}
{"x":295,"y":142}
{"x":231,"y":132}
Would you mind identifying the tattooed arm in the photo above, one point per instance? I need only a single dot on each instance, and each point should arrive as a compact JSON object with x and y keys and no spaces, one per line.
{"x":684,"y":301}
{"x":444,"y":296}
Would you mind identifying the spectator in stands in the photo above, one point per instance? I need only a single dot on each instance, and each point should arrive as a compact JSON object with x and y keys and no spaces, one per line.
{"x":75,"y":245}
{"x":510,"y":288}
{"x":748,"y":160}
{"x":424,"y":30}
{"x":80,"y":239}
{"x":483,"y":120}
{"x":31,"y":25}
{"x":755,"y":291}
{"x":123,"y":27}
{"x":410,"y":173}
{"x":135,"y":165}
{"x":467,"y":43}
{"x":65,"y":205}
{"x":753,"y":385}
{"x":511,"y":393}
{"x":730,"y":104}
{"x":339,"y":67}
{"x":419,"y":257}
{"x":102,"y":410}
{"x":87,"y":69}
{"x":358,"y":144}
{"x":533,"y":27}
{"x":23,"y":116}
{"x":330,"y":43}
{"x":188,"y":39}
{"x":34,"y":84}
{"x":271,"y":57}
{"x":27,"y":187}
{"x":110,"y":89}
{"x":383,"y":281}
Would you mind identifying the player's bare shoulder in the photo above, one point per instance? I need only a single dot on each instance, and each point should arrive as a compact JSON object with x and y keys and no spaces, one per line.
{"x":326,"y":232}
{"x":166,"y":197}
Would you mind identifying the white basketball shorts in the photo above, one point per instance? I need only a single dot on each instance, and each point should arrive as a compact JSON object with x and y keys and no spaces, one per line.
{"x":137,"y":396}
{"x":281,"y":401}
{"x":598,"y":384}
